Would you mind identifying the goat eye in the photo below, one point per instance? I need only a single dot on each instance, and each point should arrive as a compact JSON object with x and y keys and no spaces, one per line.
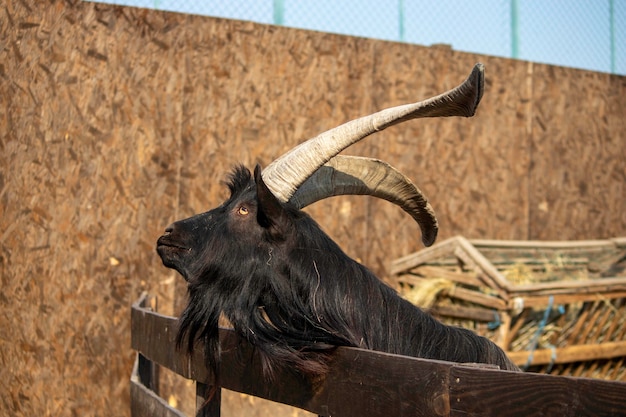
{"x":243,"y":211}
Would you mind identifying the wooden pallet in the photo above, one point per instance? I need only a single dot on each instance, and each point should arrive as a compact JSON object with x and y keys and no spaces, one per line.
{"x":555,"y":307}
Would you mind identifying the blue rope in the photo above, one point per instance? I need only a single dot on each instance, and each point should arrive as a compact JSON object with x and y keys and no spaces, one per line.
{"x":493,"y":325}
{"x":535,"y":341}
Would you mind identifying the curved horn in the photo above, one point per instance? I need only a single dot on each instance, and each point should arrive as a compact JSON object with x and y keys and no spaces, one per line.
{"x":344,"y":175}
{"x":289,"y":171}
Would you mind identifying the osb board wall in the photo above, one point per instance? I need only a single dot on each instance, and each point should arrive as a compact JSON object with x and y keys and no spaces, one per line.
{"x":116,"y":121}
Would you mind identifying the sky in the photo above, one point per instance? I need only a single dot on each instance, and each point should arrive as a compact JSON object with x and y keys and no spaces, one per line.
{"x":587,"y":34}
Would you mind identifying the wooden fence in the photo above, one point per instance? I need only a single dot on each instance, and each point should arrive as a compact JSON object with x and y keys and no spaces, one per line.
{"x":361,"y":382}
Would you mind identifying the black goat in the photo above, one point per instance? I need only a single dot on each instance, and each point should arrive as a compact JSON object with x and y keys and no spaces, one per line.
{"x":285,"y":285}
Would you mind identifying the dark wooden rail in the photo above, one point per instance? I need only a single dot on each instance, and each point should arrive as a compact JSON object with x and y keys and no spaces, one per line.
{"x":363,"y":382}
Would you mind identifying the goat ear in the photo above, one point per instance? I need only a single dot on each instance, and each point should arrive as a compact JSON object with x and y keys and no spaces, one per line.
{"x":270,"y":214}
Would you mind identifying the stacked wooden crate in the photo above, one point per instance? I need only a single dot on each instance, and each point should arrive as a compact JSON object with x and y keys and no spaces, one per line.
{"x":555,"y":307}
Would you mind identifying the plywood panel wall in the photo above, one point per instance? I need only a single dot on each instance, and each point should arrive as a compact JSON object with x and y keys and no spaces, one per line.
{"x":115,"y":122}
{"x":578,"y":147}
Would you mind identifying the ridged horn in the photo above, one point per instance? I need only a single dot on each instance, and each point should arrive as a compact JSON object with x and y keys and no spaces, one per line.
{"x":345,"y":175}
{"x":291,"y":170}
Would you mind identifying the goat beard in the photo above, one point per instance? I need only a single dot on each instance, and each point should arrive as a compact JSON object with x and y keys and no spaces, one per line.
{"x":199,"y":322}
{"x":276,"y":348}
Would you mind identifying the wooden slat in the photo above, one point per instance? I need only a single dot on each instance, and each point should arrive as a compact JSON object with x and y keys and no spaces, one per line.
{"x":614,"y":323}
{"x":411,"y":261}
{"x":582,"y":286}
{"x":597,"y":308}
{"x":154,"y":335}
{"x":144,"y":402}
{"x":576,"y":353}
{"x":564,"y":298}
{"x":616,"y":368}
{"x":514,"y":330}
{"x":620,"y":242}
{"x":500,"y":281}
{"x":544,"y":244}
{"x":370,"y":383}
{"x":503,"y":260}
{"x":471,"y":313}
{"x":477,"y":297}
{"x":487,"y":393}
{"x":428,"y":271}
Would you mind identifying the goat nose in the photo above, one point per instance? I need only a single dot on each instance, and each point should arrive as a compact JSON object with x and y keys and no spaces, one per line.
{"x":169,"y":229}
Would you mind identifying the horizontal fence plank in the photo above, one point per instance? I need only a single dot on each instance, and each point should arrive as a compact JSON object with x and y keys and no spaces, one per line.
{"x":145,"y":402}
{"x":485,"y":393}
{"x":364,"y":382}
{"x":379,"y":384}
{"x":155,"y":335}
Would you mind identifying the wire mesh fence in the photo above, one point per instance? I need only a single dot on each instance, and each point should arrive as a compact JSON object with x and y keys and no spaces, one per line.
{"x":577,"y":33}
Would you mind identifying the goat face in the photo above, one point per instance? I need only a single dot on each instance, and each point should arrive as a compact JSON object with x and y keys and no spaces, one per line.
{"x":211,"y":245}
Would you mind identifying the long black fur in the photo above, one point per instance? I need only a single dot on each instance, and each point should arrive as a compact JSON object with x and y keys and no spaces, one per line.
{"x":289,"y":289}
